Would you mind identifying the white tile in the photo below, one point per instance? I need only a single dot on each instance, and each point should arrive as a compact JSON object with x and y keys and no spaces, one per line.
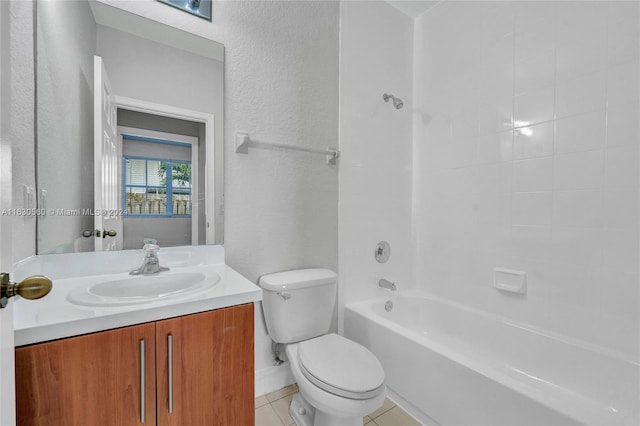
{"x":577,"y":246}
{"x":495,"y":114}
{"x":266,"y":416}
{"x":581,"y":132}
{"x":576,"y":286}
{"x":578,"y":58}
{"x":618,"y":300}
{"x":581,"y":170}
{"x":489,"y":239}
{"x":467,"y":27}
{"x":535,"y":27}
{"x":534,"y":106}
{"x":386,"y":406}
{"x":497,"y":21}
{"x":460,"y":181}
{"x":533,"y":175}
{"x":577,"y":208}
{"x":532,"y":209}
{"x":621,"y":167}
{"x":493,"y":178}
{"x":622,"y":13}
{"x":622,"y":125}
{"x":493,"y":209}
{"x":576,"y":19}
{"x":535,"y":71}
{"x":261,"y":400}
{"x":623,"y":42}
{"x":497,"y":66}
{"x":533,"y":141}
{"x":494,"y":147}
{"x":281,"y":393}
{"x":621,"y":250}
{"x":621,"y":210}
{"x":462,"y":152}
{"x":531,"y":242}
{"x":623,"y":84}
{"x":458,"y":92}
{"x":464,"y":124}
{"x":581,"y":94}
{"x":281,"y":407}
{"x":581,"y":38}
{"x":396,"y":417}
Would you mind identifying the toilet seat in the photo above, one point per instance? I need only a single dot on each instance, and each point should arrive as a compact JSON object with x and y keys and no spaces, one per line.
{"x":341,"y":367}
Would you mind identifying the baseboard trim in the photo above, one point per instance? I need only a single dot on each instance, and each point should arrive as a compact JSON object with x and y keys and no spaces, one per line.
{"x":272,"y":378}
{"x":410,"y":409}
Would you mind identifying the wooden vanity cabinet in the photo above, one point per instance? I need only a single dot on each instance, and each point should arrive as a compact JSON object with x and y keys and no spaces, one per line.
{"x":213,"y":368}
{"x":95,"y":379}
{"x":87,"y":380}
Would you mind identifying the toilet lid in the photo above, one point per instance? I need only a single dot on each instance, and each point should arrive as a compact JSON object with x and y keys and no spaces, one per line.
{"x":341,"y":366}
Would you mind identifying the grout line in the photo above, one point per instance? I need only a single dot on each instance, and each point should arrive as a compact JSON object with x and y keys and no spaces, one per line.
{"x":384,"y":412}
{"x":372,"y":422}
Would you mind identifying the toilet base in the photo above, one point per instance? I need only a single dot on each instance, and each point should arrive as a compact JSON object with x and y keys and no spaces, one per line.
{"x":304,"y":414}
{"x":301,"y":411}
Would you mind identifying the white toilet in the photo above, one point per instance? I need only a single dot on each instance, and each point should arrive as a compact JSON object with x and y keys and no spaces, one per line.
{"x":340,"y":381}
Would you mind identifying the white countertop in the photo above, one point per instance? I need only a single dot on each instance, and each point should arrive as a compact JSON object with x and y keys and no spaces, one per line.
{"x":54,"y":317}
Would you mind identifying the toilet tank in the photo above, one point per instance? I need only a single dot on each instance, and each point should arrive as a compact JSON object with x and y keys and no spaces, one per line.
{"x":298,"y":305}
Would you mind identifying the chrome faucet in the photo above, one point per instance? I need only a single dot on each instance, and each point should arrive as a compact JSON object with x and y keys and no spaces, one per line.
{"x":387,"y":284}
{"x":151,"y":263}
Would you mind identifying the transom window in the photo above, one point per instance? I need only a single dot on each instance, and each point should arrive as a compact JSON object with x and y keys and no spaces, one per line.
{"x":157,"y":187}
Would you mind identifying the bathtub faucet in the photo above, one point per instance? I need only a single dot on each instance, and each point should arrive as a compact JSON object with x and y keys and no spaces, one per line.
{"x":387,"y":284}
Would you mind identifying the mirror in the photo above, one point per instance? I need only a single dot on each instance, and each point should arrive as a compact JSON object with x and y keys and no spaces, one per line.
{"x":129,"y":117}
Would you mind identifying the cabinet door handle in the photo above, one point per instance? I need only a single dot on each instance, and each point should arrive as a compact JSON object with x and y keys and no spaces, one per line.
{"x":142,"y":382}
{"x":170,"y":368}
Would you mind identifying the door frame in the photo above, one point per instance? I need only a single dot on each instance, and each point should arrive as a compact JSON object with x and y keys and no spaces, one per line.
{"x":7,"y":349}
{"x":209,"y":131}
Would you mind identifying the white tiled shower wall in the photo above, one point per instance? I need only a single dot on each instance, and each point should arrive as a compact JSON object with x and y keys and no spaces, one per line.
{"x":376,"y":57}
{"x":526,"y":157}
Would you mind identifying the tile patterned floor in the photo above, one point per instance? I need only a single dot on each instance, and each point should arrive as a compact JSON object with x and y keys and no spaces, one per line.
{"x":273,"y":410}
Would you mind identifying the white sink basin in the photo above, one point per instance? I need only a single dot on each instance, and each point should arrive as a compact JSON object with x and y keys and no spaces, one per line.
{"x":143,"y":289}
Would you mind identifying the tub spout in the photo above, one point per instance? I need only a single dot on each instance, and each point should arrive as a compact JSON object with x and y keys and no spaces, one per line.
{"x":387,"y":284}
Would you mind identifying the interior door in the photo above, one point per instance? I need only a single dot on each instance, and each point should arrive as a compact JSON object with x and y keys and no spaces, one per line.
{"x":7,"y":380}
{"x":107,"y":163}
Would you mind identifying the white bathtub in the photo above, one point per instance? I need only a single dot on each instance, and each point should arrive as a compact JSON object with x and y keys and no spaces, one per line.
{"x":458,"y":366}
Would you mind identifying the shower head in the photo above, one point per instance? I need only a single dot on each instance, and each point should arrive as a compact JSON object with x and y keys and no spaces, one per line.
{"x":397,"y":102}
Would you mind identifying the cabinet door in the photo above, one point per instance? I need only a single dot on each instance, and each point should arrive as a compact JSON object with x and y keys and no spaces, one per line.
{"x":93,"y":379}
{"x":211,"y":370}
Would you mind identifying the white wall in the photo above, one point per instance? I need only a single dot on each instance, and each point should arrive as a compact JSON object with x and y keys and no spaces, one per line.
{"x":142,"y":69}
{"x":170,"y":232}
{"x":281,"y":85}
{"x":281,"y":70}
{"x":375,"y":138}
{"x":557,"y":199}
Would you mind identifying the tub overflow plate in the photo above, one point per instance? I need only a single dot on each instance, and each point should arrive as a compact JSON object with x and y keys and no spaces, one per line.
{"x":383,"y":252}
